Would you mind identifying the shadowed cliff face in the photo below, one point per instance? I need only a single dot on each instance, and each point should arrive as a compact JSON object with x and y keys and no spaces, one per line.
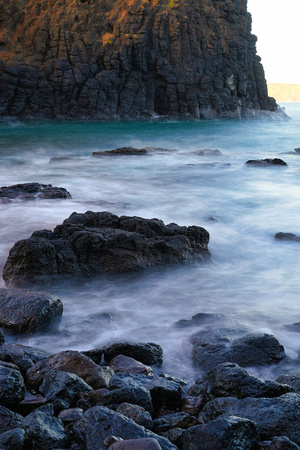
{"x":108,"y":59}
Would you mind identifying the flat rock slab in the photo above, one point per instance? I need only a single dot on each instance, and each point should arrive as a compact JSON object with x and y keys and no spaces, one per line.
{"x":266,"y":162}
{"x":96,"y":243}
{"x":24,"y":311}
{"x":133,"y":151}
{"x":287,"y":237}
{"x":32,"y":191}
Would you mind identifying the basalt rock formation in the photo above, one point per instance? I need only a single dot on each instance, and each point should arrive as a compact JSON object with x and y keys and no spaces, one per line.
{"x":110,"y":59}
{"x":95,"y":243}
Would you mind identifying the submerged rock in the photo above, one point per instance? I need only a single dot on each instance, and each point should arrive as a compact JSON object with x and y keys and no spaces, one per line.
{"x":133,"y":151}
{"x":31,"y":191}
{"x":287,"y":237}
{"x":208,"y":152}
{"x":100,"y":242}
{"x":24,"y":311}
{"x":266,"y":162}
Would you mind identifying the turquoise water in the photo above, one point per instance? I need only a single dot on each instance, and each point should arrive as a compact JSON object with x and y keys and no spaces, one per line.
{"x":250,"y":274}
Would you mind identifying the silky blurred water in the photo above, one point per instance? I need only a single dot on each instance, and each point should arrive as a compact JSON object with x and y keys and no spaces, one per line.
{"x":250,"y":277}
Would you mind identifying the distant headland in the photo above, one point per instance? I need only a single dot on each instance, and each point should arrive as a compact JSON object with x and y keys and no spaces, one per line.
{"x":284,"y":92}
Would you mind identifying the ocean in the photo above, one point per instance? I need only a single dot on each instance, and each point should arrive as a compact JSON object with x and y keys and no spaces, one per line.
{"x":251,"y":277}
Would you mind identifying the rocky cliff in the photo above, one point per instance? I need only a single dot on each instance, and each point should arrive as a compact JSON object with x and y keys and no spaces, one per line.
{"x":109,"y":59}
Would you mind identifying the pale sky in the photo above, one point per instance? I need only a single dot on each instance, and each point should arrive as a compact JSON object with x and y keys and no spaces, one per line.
{"x":276,"y":25}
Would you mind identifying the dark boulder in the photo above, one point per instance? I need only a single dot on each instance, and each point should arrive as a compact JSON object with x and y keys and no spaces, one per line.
{"x":230,"y":380}
{"x":31,"y":402}
{"x":13,"y":439}
{"x":292,"y":379}
{"x":22,"y":356}
{"x":70,"y":415}
{"x":200,"y":319}
{"x":12,"y":386}
{"x":44,"y":430}
{"x":287,"y":237}
{"x":2,"y":337}
{"x":175,"y":420}
{"x":136,"y":413}
{"x":74,"y":362}
{"x":165,"y":394}
{"x":99,"y":422}
{"x":9,"y":419}
{"x":63,"y":385}
{"x":136,"y":395}
{"x":23,"y":311}
{"x":278,"y":416}
{"x":96,"y":243}
{"x":95,"y":354}
{"x":211,"y":348}
{"x":223,"y":433}
{"x":279,"y":443}
{"x":31,"y":191}
{"x":146,"y":353}
{"x":136,"y":444}
{"x":126,"y":364}
{"x":266,"y":162}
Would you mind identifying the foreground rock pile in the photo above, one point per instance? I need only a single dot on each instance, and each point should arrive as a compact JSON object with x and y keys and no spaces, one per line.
{"x":110,"y":397}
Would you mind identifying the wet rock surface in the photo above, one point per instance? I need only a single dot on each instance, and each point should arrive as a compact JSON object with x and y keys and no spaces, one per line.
{"x":73,"y":362}
{"x":222,"y":433}
{"x":65,"y":405}
{"x":211,"y":348}
{"x":147,"y":353}
{"x":23,"y":311}
{"x":274,"y":417}
{"x":229,"y":379}
{"x":32,"y":191}
{"x":130,"y":60}
{"x":22,"y":356}
{"x":12,"y":386}
{"x":96,"y":243}
{"x":89,"y":434}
